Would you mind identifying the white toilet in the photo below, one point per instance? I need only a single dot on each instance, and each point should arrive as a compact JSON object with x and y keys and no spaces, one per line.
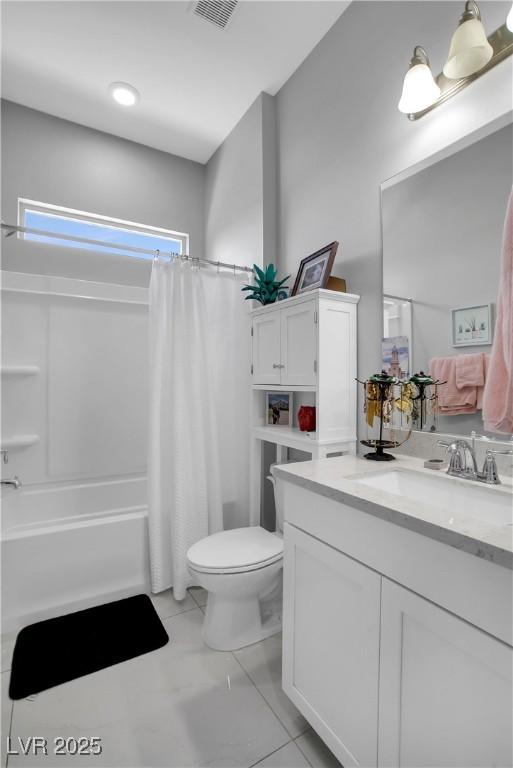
{"x":242,"y":571}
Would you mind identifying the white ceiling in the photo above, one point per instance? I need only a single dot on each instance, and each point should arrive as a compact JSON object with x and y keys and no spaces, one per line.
{"x":196,"y":81}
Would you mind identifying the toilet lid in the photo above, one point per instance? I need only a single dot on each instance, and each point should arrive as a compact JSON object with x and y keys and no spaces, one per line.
{"x":239,"y":548}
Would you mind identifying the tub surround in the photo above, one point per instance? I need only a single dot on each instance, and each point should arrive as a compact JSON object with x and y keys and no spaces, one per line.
{"x":338,"y":479}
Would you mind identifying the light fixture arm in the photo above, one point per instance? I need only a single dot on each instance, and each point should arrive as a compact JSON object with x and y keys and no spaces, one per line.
{"x":471,"y":12}
{"x":419,"y":56}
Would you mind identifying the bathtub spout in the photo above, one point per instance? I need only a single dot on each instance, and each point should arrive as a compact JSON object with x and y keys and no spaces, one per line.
{"x":15,"y":482}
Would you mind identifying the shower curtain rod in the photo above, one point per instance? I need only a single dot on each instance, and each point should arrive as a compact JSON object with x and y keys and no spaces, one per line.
{"x":11,"y":229}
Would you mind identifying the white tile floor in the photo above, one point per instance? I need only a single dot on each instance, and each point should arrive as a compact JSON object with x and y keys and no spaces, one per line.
{"x":182,"y":705}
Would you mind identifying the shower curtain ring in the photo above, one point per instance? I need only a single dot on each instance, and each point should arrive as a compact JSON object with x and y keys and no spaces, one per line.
{"x":234,"y":267}
{"x":157,"y":254}
{"x":217,"y":267}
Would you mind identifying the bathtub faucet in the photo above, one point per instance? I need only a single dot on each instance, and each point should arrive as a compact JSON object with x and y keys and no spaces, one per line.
{"x":15,"y":482}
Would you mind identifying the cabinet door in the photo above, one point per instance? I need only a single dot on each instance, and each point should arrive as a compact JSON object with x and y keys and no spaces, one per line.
{"x":266,"y":348}
{"x":299,"y":344}
{"x":331,"y":645}
{"x":445,"y":688}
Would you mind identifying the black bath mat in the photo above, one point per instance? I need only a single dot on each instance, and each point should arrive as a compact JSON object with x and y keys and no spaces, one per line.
{"x":58,"y":650}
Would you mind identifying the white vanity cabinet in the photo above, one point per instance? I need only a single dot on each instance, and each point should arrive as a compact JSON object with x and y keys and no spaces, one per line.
{"x":331,"y":645}
{"x":396,"y":648}
{"x":445,"y":688}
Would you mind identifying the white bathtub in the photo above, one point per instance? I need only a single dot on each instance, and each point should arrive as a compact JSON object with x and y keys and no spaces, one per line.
{"x":68,"y":547}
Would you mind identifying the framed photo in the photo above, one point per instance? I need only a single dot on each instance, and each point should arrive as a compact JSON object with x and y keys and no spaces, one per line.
{"x":315,"y":270}
{"x":472,"y":326}
{"x":395,"y":356}
{"x":278,"y":409}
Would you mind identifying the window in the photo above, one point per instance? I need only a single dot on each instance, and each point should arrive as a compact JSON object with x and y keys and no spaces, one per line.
{"x":99,"y":229}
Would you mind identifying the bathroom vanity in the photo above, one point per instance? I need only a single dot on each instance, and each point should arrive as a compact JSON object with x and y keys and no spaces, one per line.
{"x":397,"y":626}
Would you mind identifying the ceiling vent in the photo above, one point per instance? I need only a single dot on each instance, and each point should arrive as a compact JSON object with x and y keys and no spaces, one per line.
{"x":218,"y":12}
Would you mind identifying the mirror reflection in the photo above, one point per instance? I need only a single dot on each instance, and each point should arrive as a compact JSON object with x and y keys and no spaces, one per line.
{"x":442,"y":242}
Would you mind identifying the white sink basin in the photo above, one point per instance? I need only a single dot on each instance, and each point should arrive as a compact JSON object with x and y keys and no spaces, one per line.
{"x":491,"y":504}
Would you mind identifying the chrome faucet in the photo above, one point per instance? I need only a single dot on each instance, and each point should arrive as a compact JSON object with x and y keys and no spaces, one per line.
{"x":15,"y":482}
{"x":462,"y":459}
{"x":463,"y":464}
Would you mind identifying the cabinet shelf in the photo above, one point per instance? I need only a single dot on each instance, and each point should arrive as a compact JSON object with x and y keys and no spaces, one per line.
{"x":18,"y":441}
{"x":283,"y":388}
{"x":291,"y":437}
{"x":19,"y":370}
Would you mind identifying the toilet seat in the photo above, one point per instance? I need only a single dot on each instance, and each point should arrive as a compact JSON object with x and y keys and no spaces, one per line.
{"x":236,"y":551}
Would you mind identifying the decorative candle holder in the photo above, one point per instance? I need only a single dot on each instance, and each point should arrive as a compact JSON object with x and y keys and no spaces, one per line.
{"x":383,"y":395}
{"x":425,"y":400}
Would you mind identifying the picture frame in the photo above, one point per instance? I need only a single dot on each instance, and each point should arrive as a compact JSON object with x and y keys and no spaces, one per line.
{"x":314,"y":270}
{"x":278,"y":409}
{"x":472,"y":326}
{"x":395,"y":356}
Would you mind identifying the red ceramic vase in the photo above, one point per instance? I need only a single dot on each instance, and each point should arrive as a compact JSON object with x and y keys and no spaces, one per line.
{"x":306,"y":418}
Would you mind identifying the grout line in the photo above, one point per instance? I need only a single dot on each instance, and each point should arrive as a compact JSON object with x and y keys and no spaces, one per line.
{"x":10,"y":729}
{"x":192,"y":595}
{"x":172,"y":615}
{"x":241,"y":665}
{"x":299,"y":747}
{"x":272,"y":753}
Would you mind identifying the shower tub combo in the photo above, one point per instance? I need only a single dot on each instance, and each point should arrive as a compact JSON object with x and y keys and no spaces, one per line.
{"x":71,"y":546}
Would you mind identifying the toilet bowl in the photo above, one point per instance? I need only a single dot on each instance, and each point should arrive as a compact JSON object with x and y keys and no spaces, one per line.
{"x":241,"y":569}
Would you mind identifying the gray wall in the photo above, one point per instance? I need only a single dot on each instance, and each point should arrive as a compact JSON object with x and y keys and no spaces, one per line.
{"x":442,"y":236}
{"x":54,"y":161}
{"x":340,"y":135}
{"x":240,"y":193}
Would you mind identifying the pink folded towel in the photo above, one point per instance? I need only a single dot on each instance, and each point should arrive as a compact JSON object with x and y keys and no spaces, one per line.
{"x":498,"y":394}
{"x":452,"y":400}
{"x":470,"y":370}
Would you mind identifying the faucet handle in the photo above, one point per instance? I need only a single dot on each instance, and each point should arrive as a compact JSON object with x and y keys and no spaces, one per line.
{"x":456,"y":462}
{"x":490,"y":473}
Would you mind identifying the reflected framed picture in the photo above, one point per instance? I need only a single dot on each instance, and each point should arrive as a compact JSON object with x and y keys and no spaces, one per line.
{"x":315,"y":269}
{"x":278,"y":409}
{"x":472,"y":326}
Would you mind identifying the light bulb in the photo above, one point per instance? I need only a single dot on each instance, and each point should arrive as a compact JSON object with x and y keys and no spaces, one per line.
{"x":470,"y":50}
{"x":420,"y":90}
{"x":509,"y":20}
{"x":124,"y":94}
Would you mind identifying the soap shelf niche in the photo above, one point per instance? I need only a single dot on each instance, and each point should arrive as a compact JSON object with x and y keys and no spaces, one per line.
{"x":18,"y":441}
{"x":19,"y":370}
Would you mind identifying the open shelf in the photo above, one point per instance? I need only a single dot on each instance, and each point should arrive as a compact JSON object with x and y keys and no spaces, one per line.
{"x":291,"y":437}
{"x":282,"y":388}
{"x":18,"y":441}
{"x":19,"y":370}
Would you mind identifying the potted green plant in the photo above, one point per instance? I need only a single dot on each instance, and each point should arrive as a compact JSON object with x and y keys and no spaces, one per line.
{"x":266,"y":289}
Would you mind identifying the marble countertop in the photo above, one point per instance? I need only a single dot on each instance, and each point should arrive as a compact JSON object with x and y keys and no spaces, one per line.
{"x":337,"y":479}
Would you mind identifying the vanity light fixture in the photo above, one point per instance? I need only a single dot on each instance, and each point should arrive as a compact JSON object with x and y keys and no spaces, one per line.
{"x":419,"y":88}
{"x":124,"y":94}
{"x":471,"y":54}
{"x":470,"y":50}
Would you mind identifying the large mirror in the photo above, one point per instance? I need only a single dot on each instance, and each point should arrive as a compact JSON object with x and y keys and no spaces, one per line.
{"x":442,"y":239}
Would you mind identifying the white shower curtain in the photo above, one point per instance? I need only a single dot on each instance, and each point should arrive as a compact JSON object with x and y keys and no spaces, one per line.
{"x":199,"y":413}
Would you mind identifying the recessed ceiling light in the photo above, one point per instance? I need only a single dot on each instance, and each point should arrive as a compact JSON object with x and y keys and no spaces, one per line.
{"x":124,"y":93}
